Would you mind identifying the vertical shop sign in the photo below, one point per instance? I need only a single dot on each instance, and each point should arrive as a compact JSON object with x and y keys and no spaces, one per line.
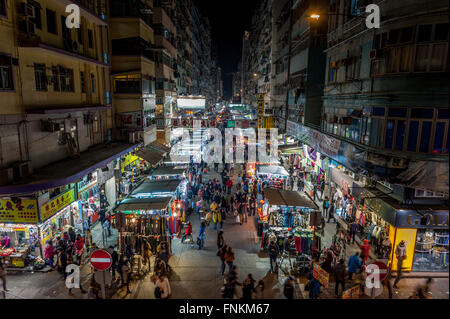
{"x":55,"y":205}
{"x":25,"y":211}
{"x":321,"y":275}
{"x":260,"y":110}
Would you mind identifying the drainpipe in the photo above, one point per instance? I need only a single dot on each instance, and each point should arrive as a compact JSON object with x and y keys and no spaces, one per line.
{"x":289,"y":68}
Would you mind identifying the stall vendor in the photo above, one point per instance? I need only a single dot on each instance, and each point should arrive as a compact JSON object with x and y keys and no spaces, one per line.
{"x":5,"y":241}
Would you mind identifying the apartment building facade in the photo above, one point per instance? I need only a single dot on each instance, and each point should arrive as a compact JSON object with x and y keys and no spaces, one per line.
{"x":55,"y":88}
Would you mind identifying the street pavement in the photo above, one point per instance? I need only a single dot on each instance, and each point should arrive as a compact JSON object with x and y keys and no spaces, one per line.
{"x":196,"y":273}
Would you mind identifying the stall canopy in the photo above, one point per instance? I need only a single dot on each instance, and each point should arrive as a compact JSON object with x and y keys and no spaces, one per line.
{"x":129,"y":204}
{"x":168,"y":170}
{"x":153,"y":153}
{"x":289,"y":147}
{"x":281,"y":197}
{"x":272,"y":170}
{"x":157,"y":188}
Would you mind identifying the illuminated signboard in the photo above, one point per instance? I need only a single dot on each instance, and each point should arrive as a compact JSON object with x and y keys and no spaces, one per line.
{"x":196,"y":102}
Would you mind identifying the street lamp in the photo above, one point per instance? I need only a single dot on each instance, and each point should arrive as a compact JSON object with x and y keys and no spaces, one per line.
{"x":255,"y":75}
{"x":315,"y":16}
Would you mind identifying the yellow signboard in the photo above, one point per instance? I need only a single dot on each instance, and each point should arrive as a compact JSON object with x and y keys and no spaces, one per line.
{"x":352,"y":293}
{"x":128,"y":160}
{"x":24,"y":212}
{"x":321,"y":275}
{"x":55,"y":205}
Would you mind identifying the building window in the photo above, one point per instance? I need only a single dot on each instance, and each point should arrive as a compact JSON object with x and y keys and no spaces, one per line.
{"x":80,"y":35}
{"x":90,"y":39}
{"x":6,"y":73}
{"x":66,"y":79}
{"x":37,"y":15}
{"x":40,"y":77}
{"x":65,"y":29}
{"x":82,"y":83}
{"x":3,"y":11}
{"x":93,"y":84}
{"x":51,"y":21}
{"x":95,"y":124}
{"x":55,"y":78}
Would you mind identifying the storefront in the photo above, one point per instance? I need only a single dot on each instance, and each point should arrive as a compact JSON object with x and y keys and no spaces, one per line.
{"x":424,"y":230}
{"x":88,"y":200}
{"x":18,"y":226}
{"x":273,"y":176}
{"x":133,"y":169}
{"x":58,"y":215}
{"x":169,"y":172}
{"x":285,"y":214}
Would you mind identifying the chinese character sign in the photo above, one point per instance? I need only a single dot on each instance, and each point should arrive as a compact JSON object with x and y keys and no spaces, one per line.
{"x":24,"y":212}
{"x":55,"y":205}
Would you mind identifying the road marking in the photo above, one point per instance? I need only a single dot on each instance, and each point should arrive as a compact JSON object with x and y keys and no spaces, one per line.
{"x":100,"y":260}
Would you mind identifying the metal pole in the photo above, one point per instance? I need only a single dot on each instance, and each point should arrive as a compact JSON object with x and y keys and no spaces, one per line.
{"x":103,"y":285}
{"x":314,"y":238}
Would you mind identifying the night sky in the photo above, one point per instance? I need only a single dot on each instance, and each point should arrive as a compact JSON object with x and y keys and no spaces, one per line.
{"x":229,"y":19}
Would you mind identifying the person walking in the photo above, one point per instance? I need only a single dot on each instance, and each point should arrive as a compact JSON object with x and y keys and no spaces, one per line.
{"x":187,"y":233}
{"x":62,"y":261}
{"x":231,"y":282}
{"x":354,"y":263}
{"x":400,"y":252}
{"x":331,"y":213}
{"x":273,"y":254}
{"x":365,"y":249}
{"x":79,"y":248}
{"x":326,"y":206}
{"x":115,"y":261}
{"x":314,"y":288}
{"x":229,"y":258}
{"x":259,"y":290}
{"x":221,"y":253}
{"x":288,"y":290}
{"x":248,"y":287}
{"x":339,"y":275}
{"x":88,"y":240}
{"x":49,"y":253}
{"x":3,"y":275}
{"x":353,"y":230}
{"x":164,"y":287}
{"x":220,"y":240}
{"x":126,"y":270}
{"x":201,"y":235}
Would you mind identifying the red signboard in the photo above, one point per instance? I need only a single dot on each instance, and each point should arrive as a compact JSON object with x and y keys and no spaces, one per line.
{"x":101,"y":260}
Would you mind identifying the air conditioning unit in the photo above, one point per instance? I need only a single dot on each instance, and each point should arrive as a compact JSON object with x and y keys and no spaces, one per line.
{"x":27,"y":10}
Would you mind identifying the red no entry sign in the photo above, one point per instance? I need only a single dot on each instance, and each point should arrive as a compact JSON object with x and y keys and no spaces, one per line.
{"x":101,"y":260}
{"x":382,"y":269}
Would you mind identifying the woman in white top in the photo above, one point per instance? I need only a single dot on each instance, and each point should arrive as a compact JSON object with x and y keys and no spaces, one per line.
{"x":164,"y":286}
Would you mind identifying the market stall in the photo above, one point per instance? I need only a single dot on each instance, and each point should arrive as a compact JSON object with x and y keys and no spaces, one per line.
{"x":168,"y":172}
{"x":274,"y":176}
{"x":285,"y":214}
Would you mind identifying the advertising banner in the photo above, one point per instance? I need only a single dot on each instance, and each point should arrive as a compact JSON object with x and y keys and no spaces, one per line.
{"x":25,"y":212}
{"x":352,"y":293}
{"x":55,"y":205}
{"x":321,"y":275}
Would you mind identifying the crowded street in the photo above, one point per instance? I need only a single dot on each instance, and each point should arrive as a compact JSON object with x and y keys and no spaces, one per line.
{"x":224,"y":150}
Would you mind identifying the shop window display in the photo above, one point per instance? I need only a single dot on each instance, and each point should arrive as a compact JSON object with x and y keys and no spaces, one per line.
{"x":431,"y":252}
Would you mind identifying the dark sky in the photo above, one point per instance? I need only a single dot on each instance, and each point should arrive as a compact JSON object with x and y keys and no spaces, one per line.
{"x":229,"y":19}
